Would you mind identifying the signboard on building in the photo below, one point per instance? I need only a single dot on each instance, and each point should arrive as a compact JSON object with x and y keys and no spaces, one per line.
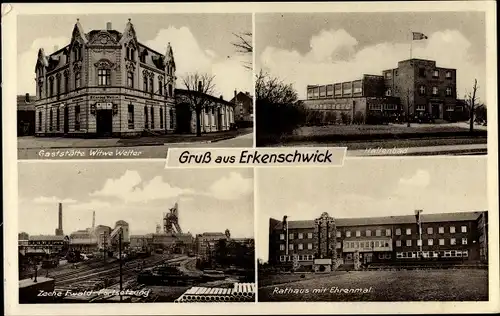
{"x":323,"y":261}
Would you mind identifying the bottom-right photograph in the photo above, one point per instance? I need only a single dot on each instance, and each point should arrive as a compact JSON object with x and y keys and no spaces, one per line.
{"x":411,"y":229}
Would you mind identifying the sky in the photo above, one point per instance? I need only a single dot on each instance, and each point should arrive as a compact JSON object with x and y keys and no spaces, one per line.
{"x":201,"y":43}
{"x":320,"y":48}
{"x":209,"y":200}
{"x":383,"y":187}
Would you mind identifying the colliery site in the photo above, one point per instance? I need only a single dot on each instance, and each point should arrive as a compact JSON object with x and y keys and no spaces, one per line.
{"x":102,"y":264}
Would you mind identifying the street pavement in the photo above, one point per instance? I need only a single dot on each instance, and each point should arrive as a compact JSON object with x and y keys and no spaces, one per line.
{"x":67,"y":148}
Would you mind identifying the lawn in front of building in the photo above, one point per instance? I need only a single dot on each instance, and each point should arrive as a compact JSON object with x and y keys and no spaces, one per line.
{"x":383,"y":286}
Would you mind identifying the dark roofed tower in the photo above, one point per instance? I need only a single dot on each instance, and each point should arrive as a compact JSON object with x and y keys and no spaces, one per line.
{"x":325,"y":242}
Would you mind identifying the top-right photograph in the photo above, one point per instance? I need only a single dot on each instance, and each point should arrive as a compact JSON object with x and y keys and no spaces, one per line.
{"x":399,"y":83}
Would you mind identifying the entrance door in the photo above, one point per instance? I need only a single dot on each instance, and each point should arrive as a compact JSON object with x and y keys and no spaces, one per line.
{"x":435,"y":110}
{"x":104,"y":122}
{"x":66,"y":119}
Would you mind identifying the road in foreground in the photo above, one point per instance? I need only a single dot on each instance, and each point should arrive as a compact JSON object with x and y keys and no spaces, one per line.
{"x":120,"y":152}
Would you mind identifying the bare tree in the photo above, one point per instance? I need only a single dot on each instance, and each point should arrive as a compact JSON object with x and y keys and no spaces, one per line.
{"x":200,"y":88}
{"x":243,"y":45}
{"x":471,"y":100}
{"x":409,"y":106}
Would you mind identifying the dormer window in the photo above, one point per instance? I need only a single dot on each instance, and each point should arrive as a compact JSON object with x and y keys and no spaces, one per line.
{"x":435,"y":74}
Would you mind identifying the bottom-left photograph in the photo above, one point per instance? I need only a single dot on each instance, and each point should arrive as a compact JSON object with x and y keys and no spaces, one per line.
{"x":134,"y":231}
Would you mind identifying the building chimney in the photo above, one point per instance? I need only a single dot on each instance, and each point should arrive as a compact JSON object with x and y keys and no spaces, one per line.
{"x":108,"y":26}
{"x":221,"y":97}
{"x":235,"y":93}
{"x":27,"y":98}
{"x":93,"y":220}
{"x":60,"y":216}
{"x":59,"y":230}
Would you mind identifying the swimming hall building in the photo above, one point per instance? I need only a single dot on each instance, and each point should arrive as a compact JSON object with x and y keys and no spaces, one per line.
{"x":416,"y":87}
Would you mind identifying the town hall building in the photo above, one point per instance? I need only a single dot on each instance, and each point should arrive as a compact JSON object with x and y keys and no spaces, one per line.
{"x":106,"y":83}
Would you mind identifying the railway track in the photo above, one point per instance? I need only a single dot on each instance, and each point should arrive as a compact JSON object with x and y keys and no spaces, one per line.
{"x":112,"y":271}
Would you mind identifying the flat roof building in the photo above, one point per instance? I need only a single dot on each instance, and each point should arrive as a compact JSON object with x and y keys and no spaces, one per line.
{"x":390,"y":239}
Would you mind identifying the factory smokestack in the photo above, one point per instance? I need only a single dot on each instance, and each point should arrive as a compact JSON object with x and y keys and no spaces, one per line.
{"x":60,"y":216}
{"x":59,"y":230}
{"x":93,"y":220}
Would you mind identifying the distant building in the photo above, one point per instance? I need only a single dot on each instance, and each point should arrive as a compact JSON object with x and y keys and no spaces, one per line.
{"x":416,"y":87}
{"x":216,"y":117}
{"x":25,"y":115}
{"x":326,"y":241}
{"x":243,"y":110}
{"x":206,"y":243}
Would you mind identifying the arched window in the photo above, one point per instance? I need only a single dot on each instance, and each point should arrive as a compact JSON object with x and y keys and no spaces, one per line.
{"x":145,"y":83}
{"x":51,"y":86}
{"x":170,"y":92}
{"x":39,"y":121}
{"x":160,"y":86}
{"x":171,"y":114}
{"x":151,"y":84}
{"x":130,"y":79}
{"x":58,"y":84}
{"x":66,"y":82}
{"x":78,"y":82}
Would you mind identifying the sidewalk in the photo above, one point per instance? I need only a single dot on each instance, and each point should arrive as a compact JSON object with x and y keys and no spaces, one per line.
{"x":31,"y":142}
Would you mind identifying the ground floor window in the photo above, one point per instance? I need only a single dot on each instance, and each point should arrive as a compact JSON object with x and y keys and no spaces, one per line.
{"x":131,"y":116}
{"x":58,"y":119}
{"x":161,"y":118}
{"x":146,"y":114}
{"x":39,"y":121}
{"x":51,"y":120}
{"x":171,"y":112}
{"x":77,"y":118}
{"x":152,"y":117}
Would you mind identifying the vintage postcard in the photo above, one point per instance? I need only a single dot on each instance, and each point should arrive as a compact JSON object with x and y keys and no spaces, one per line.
{"x":250,"y":158}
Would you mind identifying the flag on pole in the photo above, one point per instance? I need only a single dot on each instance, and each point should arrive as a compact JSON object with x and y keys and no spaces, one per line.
{"x":419,"y":36}
{"x":417,"y":216}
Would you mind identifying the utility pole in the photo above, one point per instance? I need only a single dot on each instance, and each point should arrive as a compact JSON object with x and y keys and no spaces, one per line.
{"x":120,"y":255}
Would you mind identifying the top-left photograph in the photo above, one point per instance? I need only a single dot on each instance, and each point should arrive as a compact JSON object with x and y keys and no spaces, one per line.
{"x":117,"y":86}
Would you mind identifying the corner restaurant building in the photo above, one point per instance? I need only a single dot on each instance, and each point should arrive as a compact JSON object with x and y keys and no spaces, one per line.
{"x":106,"y":83}
{"x":390,"y":239}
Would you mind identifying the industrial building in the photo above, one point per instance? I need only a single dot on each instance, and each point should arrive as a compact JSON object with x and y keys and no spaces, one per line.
{"x":325,"y":243}
{"x":171,"y":239}
{"x":106,"y":83}
{"x":416,"y":88}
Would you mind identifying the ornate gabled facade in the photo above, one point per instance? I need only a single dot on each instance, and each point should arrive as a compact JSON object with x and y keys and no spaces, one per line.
{"x":105,"y":83}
